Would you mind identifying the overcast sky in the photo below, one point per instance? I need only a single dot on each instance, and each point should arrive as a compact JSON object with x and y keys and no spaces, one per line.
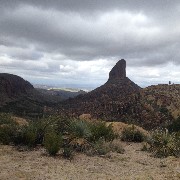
{"x":77,"y":42}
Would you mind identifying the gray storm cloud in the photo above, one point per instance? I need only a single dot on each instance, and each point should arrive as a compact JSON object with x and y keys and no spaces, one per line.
{"x":76,"y":40}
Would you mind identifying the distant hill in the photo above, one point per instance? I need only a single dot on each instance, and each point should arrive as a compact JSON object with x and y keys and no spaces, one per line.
{"x":164,"y":97}
{"x":63,"y":93}
{"x":12,"y":86}
{"x":20,"y":97}
{"x":119,"y":99}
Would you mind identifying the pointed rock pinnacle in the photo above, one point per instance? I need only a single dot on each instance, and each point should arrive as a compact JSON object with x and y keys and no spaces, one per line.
{"x":118,"y":71}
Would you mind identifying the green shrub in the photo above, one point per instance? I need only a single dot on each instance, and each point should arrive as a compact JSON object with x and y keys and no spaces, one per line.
{"x":131,"y":134}
{"x":5,"y":118}
{"x":52,"y":143}
{"x":163,"y":144}
{"x":26,"y":135}
{"x":31,"y":134}
{"x":34,"y":133}
{"x":174,"y":126}
{"x":102,"y":147}
{"x":7,"y":128}
{"x":7,"y":133}
{"x":68,"y":152}
{"x":99,"y":130}
{"x":80,"y":129}
{"x":63,"y":125}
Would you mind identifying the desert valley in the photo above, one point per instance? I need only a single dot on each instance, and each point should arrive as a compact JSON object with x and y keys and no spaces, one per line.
{"x":116,"y":131}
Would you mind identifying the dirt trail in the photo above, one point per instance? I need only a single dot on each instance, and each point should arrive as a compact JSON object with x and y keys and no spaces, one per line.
{"x":133,"y":164}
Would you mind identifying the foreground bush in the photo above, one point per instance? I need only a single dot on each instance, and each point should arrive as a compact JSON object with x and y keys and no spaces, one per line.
{"x":27,"y":135}
{"x":80,"y":129}
{"x":102,"y":147}
{"x":7,"y":134}
{"x":52,"y":143}
{"x":6,"y":119}
{"x":99,"y":130}
{"x":91,"y":131}
{"x":131,"y":134}
{"x":80,"y":144}
{"x":7,"y":128}
{"x":174,"y":126}
{"x":164,"y":144}
{"x":55,"y":132}
{"x":68,"y":152}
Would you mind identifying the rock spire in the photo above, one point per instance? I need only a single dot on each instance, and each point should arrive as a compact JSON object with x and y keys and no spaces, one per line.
{"x":118,"y":71}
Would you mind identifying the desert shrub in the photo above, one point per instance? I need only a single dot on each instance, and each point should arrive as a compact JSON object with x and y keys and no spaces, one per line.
{"x":174,"y":126}
{"x":163,"y":144}
{"x":116,"y":147}
{"x":131,"y":134}
{"x":7,"y":133}
{"x":68,"y":152}
{"x":80,"y":129}
{"x":5,"y":118}
{"x":145,"y":147}
{"x":11,"y":132}
{"x":52,"y":143}
{"x":7,"y":128}
{"x":31,"y":134}
{"x":26,"y":135}
{"x":80,"y":144}
{"x":102,"y":147}
{"x":62,"y":125}
{"x":34,"y":133}
{"x":99,"y":130}
{"x":164,"y":110}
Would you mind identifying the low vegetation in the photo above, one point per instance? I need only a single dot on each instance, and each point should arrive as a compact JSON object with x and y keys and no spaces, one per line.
{"x":174,"y":126}
{"x":164,"y":144}
{"x":132,"y":134}
{"x":67,"y":135}
{"x":55,"y":133}
{"x":52,"y":143}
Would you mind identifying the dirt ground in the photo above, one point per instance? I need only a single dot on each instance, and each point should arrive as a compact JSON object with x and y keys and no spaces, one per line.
{"x":133,"y":164}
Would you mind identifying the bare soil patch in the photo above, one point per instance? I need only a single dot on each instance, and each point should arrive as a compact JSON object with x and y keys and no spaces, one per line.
{"x":133,"y":164}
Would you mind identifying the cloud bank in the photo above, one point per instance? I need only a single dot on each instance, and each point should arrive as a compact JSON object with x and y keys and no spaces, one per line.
{"x":78,"y":42}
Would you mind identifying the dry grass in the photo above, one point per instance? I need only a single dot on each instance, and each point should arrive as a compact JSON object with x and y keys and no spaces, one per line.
{"x":118,"y":127}
{"x":20,"y":121}
{"x":133,"y":164}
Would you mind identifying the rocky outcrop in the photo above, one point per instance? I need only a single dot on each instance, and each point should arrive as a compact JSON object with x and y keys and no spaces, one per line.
{"x":118,"y":71}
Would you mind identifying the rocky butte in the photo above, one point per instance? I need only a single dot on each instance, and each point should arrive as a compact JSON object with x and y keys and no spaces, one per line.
{"x":110,"y":101}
